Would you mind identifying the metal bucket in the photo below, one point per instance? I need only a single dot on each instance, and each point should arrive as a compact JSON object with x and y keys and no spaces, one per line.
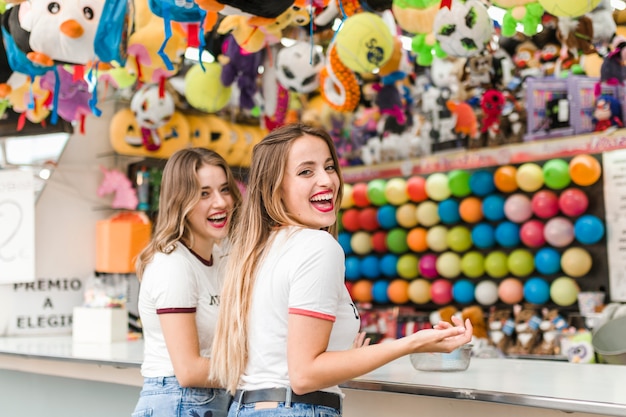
{"x":609,"y":341}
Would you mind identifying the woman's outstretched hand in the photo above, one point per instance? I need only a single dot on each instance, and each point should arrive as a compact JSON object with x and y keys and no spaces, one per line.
{"x":360,"y":340}
{"x":443,"y":337}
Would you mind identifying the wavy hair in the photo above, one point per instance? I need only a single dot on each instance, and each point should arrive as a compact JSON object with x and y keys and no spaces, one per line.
{"x":262,"y":210}
{"x":179,"y":194}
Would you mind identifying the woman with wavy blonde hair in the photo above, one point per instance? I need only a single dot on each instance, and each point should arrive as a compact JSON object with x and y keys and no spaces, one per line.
{"x":287,"y":323}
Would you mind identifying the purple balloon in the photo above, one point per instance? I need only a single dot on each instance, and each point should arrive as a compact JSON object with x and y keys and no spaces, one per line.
{"x":559,"y":232}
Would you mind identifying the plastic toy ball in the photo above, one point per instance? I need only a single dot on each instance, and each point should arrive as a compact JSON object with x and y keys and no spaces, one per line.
{"x":361,"y":243}
{"x":458,"y":182}
{"x":531,"y":234}
{"x":511,"y":291}
{"x":419,"y":291}
{"x":370,"y":267}
{"x":483,"y":236}
{"x":396,"y":192}
{"x":536,"y":291}
{"x":398,"y":291}
{"x":493,"y":207}
{"x":389,"y":265}
{"x":379,"y":292}
{"x":368,"y":219}
{"x":396,"y":241}
{"x":576,"y":262}
{"x":437,"y":238}
{"x":486,"y":293}
{"x":573,"y":202}
{"x":459,"y":239}
{"x":564,"y":291}
{"x":386,"y":217}
{"x":416,"y":188}
{"x":441,"y":291}
{"x":376,"y":192}
{"x":437,"y":186}
{"x":496,"y":265}
{"x":529,"y":177}
{"x":347,"y":201}
{"x":556,"y":174}
{"x":362,"y":291}
{"x":588,"y":229}
{"x":359,"y":194}
{"x":448,"y":211}
{"x":448,"y":265}
{"x":471,"y":210}
{"x":518,"y":208}
{"x":406,"y":215}
{"x":408,"y":266}
{"x":584,"y":170}
{"x":379,"y":241}
{"x":505,"y":178}
{"x":548,"y":261}
{"x":350,"y":220}
{"x":507,"y":234}
{"x":559,"y":232}
{"x":463,"y":291}
{"x":521,"y":262}
{"x":568,"y":8}
{"x":344,"y":240}
{"x":545,"y":204}
{"x":353,"y":268}
{"x":427,"y":213}
{"x":481,"y":183}
{"x":473,"y":264}
{"x":417,"y":239}
{"x":428,"y":266}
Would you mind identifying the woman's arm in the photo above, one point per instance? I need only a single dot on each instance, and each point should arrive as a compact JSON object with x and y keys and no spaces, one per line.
{"x":311,"y":368}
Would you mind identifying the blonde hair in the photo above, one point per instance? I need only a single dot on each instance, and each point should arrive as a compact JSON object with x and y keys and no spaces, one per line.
{"x":262,"y":210}
{"x":180,"y":192}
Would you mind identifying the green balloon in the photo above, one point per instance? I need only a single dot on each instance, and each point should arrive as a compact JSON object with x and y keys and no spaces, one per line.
{"x":396,"y":241}
{"x":556,"y":174}
{"x":521,"y":262}
{"x":458,"y":183}
{"x":564,"y":291}
{"x":376,"y":192}
{"x":459,"y":239}
{"x":473,"y":264}
{"x":496,"y":264}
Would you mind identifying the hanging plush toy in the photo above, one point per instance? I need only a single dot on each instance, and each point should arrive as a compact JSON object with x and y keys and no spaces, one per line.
{"x":417,"y":17}
{"x":152,"y":109}
{"x":203,"y":89}
{"x":338,"y":84}
{"x":464,"y":29}
{"x":607,"y":114}
{"x":526,"y":12}
{"x":298,"y":67}
{"x":492,"y":103}
{"x":73,"y":95}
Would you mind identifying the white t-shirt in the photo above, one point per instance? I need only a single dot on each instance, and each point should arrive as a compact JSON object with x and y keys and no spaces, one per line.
{"x":302,"y":273}
{"x":178,"y":282}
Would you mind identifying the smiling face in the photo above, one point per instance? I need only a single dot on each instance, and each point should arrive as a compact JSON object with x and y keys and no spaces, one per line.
{"x":208,"y":220}
{"x":309,"y":188}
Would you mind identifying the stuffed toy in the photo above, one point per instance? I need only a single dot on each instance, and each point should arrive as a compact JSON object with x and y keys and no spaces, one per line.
{"x":220,"y":135}
{"x":579,"y":347}
{"x":298,"y":67}
{"x":275,"y":96}
{"x":492,"y":103}
{"x":203,"y":88}
{"x":604,"y":26}
{"x":30,"y":100}
{"x":339,"y":85}
{"x":117,"y":183}
{"x":501,"y":328}
{"x":152,"y":109}
{"x":115,"y":27}
{"x":417,"y":17}
{"x":388,"y":98}
{"x":527,"y":334}
{"x":476,"y":316}
{"x":576,"y":36}
{"x":72,"y":94}
{"x":513,"y":121}
{"x":464,"y":29}
{"x":466,"y":127}
{"x":199,"y":131}
{"x":526,"y":12}
{"x":613,"y":69}
{"x":551,"y":326}
{"x":526,"y":60}
{"x":607,"y":114}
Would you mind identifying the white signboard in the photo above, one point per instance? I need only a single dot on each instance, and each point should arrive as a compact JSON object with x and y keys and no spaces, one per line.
{"x":17,"y":226}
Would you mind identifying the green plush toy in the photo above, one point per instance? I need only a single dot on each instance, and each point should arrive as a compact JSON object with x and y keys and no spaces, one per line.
{"x":526,"y":12}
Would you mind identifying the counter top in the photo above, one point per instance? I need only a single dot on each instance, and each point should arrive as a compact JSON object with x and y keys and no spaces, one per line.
{"x":585,"y":388}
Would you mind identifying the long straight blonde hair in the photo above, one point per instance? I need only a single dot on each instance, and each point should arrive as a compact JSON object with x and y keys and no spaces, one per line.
{"x":180,"y":192}
{"x":261,"y":211}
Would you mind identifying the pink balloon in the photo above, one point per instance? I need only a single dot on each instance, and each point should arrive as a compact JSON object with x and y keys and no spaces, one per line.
{"x":573,"y":202}
{"x":559,"y":232}
{"x":531,"y":234}
{"x":441,"y":291}
{"x":518,"y":208}
{"x":545,"y":204}
{"x":428,"y":266}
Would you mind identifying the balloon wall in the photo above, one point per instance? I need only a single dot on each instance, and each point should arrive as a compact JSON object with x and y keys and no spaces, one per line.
{"x":527,"y":233}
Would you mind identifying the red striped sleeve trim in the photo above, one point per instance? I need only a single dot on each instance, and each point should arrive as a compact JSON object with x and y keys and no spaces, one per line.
{"x":176,"y":310}
{"x":310,"y":313}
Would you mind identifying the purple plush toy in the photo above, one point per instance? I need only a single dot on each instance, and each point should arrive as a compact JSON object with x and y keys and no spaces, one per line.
{"x":243,"y":67}
{"x":74,"y":94}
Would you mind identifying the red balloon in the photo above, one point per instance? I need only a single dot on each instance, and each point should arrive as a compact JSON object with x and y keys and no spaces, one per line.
{"x":379,"y":242}
{"x":416,"y":188}
{"x":531,"y":234}
{"x":368,"y":219}
{"x":441,"y":291}
{"x":573,"y":202}
{"x":359,"y":194}
{"x":545,"y":204}
{"x":351,"y":220}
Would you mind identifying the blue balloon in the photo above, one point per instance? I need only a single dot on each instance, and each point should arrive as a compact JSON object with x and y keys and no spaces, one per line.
{"x":483,"y":236}
{"x":386,"y":216}
{"x":463,"y":291}
{"x":481,"y":183}
{"x":389,"y":265}
{"x":507,"y":234}
{"x":493,"y":207}
{"x":370,"y":266}
{"x":537,"y":291}
{"x":353,"y":268}
{"x":588,"y":229}
{"x":448,"y":211}
{"x":379,"y":292}
{"x":548,"y":261}
{"x":344,"y":241}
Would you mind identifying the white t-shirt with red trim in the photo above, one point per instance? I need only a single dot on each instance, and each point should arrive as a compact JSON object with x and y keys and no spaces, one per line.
{"x":178,"y":282}
{"x":301,"y":273}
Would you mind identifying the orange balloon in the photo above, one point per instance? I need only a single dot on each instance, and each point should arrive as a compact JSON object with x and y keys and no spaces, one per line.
{"x":511,"y":291}
{"x":362,"y":291}
{"x":471,"y":209}
{"x":584,"y":170}
{"x":504,"y":178}
{"x":398,"y":291}
{"x":416,"y":239}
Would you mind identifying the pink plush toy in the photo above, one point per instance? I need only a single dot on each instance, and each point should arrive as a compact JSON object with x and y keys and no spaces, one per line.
{"x":116,"y":182}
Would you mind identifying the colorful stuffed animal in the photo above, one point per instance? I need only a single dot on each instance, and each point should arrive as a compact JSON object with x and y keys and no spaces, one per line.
{"x":492,"y":104}
{"x":527,"y":334}
{"x":607,"y":113}
{"x":526,"y":12}
{"x":241,"y":67}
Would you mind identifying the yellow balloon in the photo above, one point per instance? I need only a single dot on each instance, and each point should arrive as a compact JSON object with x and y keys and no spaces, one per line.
{"x":406,"y":216}
{"x":576,"y":262}
{"x":347,"y":201}
{"x":419,"y":291}
{"x":564,"y":291}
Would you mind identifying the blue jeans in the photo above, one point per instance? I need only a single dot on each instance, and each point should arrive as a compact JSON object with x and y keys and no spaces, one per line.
{"x":164,"y":397}
{"x":296,"y":410}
